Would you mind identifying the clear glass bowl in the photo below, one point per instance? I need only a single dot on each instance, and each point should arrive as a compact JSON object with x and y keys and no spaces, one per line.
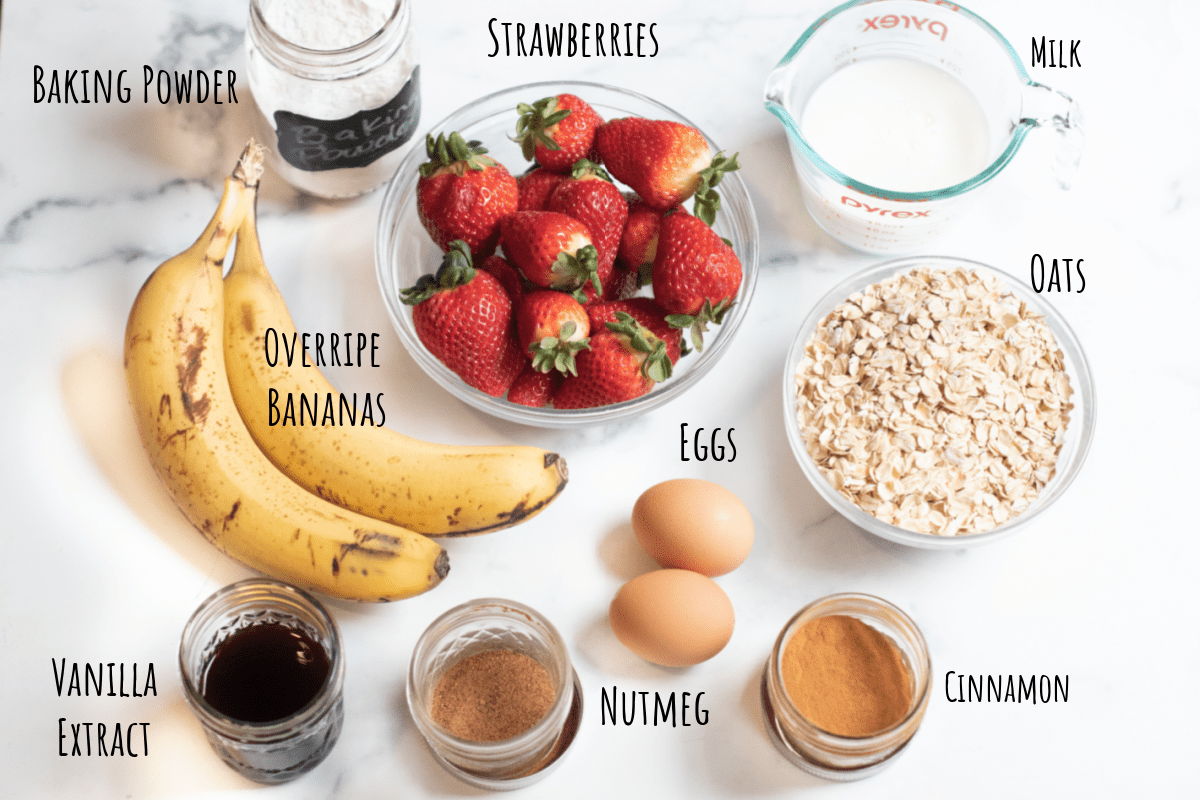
{"x":404,"y":251}
{"x":1081,"y":426}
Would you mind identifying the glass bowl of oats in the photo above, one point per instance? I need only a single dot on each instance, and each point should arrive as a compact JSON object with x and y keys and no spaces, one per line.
{"x":938,"y":402}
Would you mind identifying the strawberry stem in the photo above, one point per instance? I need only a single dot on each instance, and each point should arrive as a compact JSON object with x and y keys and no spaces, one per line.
{"x":533,"y":122}
{"x":657,"y":365}
{"x":573,"y":271}
{"x":558,"y":352}
{"x":583,"y":168}
{"x":444,"y":152}
{"x":455,"y":270}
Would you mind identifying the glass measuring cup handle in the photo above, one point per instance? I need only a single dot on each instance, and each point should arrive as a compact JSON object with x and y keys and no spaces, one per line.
{"x":1041,"y":107}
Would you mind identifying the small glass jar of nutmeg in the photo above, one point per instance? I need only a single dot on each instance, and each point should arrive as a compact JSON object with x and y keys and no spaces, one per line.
{"x":846,"y":686}
{"x":492,"y":690}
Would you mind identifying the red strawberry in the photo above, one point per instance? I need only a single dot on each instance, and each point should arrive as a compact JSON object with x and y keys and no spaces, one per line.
{"x":462,"y":194}
{"x":665,"y":162}
{"x":623,"y":362}
{"x":506,"y":273}
{"x":533,"y":388}
{"x":639,"y":240}
{"x":535,"y":188}
{"x":558,"y":131}
{"x":551,"y":249}
{"x":464,"y":318}
{"x":551,"y":328}
{"x":696,"y":275}
{"x":647,"y":313}
{"x":589,"y":196}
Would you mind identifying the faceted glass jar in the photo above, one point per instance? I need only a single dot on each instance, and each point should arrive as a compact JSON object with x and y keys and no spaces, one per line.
{"x":336,"y":123}
{"x":828,"y":755}
{"x":479,"y":626}
{"x":279,"y":750}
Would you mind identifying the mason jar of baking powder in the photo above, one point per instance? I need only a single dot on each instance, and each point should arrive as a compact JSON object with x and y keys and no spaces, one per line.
{"x":336,"y":83}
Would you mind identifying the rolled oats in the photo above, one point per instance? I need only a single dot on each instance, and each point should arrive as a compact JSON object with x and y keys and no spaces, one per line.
{"x":934,"y":400}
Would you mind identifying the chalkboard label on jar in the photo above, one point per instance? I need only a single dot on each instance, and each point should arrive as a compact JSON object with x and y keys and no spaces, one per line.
{"x":316,"y":145}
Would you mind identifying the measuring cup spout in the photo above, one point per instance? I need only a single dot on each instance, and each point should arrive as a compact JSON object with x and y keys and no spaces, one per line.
{"x":1043,"y":107}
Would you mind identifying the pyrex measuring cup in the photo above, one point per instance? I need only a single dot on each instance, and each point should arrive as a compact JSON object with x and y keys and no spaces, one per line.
{"x":940,"y":34}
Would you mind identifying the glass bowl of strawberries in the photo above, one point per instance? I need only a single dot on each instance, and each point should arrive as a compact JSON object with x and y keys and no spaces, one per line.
{"x":566,"y":253}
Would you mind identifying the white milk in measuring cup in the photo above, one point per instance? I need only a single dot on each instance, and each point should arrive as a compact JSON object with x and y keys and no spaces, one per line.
{"x":896,"y":110}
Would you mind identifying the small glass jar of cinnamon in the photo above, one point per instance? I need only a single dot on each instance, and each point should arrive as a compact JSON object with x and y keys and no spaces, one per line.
{"x":492,"y":690}
{"x":846,"y":686}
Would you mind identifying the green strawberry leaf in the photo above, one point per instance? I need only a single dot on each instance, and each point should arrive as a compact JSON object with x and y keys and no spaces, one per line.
{"x":583,"y":168}
{"x":639,"y":340}
{"x":698,"y":323}
{"x":554,"y":352}
{"x":544,"y":140}
{"x":532,"y":124}
{"x":424,"y":289}
{"x":708,"y":201}
{"x":455,"y":270}
{"x":625,"y":324}
{"x":445,"y":151}
{"x":571,"y":272}
{"x":721,"y":310}
{"x":657,"y":365}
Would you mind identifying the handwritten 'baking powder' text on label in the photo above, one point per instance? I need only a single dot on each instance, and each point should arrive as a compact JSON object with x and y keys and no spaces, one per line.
{"x":316,"y":145}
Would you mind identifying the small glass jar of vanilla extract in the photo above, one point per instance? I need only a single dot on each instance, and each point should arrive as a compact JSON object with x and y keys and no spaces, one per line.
{"x":261,"y":665}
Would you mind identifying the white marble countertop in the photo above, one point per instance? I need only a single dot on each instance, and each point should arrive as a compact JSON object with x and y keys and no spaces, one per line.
{"x":101,"y":567}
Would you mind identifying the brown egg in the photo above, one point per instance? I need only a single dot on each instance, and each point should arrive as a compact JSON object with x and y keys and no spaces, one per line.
{"x":672,"y":617}
{"x":694,"y":524}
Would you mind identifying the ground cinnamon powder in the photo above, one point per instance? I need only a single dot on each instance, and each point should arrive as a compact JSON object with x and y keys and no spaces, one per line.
{"x":845,"y":677}
{"x":492,"y":695}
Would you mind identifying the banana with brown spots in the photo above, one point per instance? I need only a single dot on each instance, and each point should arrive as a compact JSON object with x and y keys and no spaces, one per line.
{"x":202,"y":451}
{"x":438,"y":490}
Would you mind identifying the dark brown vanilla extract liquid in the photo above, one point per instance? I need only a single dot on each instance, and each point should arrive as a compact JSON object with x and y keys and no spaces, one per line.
{"x":264,"y":673}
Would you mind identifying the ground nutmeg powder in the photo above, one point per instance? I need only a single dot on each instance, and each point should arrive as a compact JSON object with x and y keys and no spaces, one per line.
{"x":845,"y":677}
{"x":492,"y":695}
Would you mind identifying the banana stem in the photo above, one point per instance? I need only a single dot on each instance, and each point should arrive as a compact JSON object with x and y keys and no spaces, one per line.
{"x":241,"y":189}
{"x":249,"y":168}
{"x":247,"y":256}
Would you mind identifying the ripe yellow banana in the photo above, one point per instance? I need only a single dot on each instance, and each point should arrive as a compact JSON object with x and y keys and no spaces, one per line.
{"x":200,"y":448}
{"x":438,"y":490}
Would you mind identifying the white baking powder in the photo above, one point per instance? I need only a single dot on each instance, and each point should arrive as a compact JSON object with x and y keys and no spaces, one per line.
{"x":327,"y":24}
